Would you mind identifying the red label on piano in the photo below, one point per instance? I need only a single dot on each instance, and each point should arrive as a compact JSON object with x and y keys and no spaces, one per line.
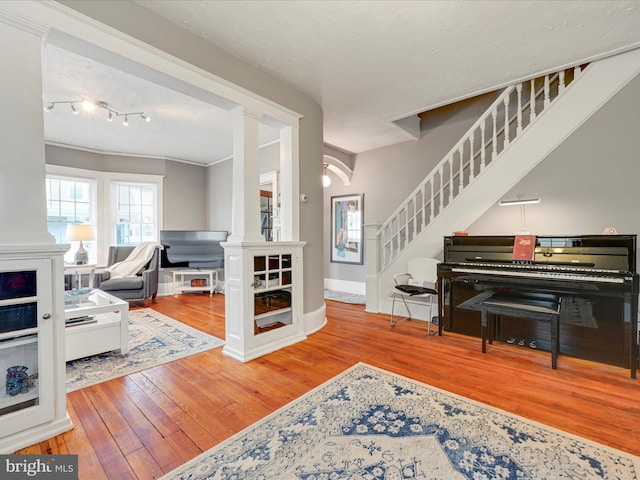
{"x":524,"y":248}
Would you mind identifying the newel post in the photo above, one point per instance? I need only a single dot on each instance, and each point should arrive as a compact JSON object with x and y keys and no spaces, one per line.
{"x":372,"y":263}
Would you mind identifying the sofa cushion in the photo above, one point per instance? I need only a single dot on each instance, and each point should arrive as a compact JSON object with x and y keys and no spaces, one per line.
{"x":126,"y":283}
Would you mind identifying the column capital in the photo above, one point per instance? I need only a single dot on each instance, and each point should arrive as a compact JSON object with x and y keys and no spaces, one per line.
{"x":242,"y":111}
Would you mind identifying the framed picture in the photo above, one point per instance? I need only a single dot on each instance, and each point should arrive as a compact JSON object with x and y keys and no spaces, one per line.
{"x":347,"y":231}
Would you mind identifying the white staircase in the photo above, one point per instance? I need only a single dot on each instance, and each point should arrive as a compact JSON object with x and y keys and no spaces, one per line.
{"x":525,"y":123}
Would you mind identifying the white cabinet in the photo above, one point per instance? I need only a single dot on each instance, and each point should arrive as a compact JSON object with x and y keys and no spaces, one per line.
{"x":32,"y":401}
{"x":263,"y":297}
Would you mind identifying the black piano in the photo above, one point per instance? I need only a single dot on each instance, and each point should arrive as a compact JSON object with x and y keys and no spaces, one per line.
{"x":595,"y":275}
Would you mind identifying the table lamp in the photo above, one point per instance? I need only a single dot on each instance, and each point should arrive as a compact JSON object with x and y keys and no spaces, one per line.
{"x":80,"y":233}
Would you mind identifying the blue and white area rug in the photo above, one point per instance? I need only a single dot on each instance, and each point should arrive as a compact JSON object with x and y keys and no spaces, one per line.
{"x":369,"y":424}
{"x":154,"y":339}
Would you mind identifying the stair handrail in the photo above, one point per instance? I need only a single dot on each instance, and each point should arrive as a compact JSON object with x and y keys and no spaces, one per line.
{"x":387,"y":250}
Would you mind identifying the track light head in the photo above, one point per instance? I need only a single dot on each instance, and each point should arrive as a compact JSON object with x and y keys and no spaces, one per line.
{"x":73,"y":109}
{"x":146,"y":119}
{"x":110,"y":117}
{"x":126,"y":121}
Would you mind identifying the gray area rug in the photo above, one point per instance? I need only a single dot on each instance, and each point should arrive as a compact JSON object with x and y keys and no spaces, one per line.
{"x":154,"y":339}
{"x":370,"y":424}
{"x":345,"y":297}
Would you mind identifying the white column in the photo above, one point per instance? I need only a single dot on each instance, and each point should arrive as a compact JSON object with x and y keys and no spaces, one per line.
{"x":289,"y":184}
{"x":245,"y":202}
{"x":23,"y":211}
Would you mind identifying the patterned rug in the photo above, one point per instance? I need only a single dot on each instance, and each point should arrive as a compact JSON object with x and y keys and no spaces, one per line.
{"x":369,"y":424}
{"x":345,"y":297}
{"x":153,"y":339}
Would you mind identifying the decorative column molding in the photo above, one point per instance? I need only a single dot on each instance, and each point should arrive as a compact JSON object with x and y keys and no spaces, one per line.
{"x":22,"y":158}
{"x":289,"y":183}
{"x":372,"y":263}
{"x":245,"y":203}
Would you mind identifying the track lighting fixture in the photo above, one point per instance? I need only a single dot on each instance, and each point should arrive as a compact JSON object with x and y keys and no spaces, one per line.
{"x":89,"y":105}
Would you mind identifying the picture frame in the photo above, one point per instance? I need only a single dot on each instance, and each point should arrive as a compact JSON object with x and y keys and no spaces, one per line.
{"x":347,"y":229}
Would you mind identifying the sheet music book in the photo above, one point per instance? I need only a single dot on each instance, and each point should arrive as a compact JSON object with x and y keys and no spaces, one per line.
{"x":524,"y":248}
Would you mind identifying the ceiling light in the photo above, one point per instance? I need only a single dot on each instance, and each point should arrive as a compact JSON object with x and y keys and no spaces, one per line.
{"x":520,"y":201}
{"x":89,"y":105}
{"x":326,"y":180}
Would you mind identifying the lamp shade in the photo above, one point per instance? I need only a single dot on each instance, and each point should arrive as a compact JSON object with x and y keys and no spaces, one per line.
{"x":79,"y":232}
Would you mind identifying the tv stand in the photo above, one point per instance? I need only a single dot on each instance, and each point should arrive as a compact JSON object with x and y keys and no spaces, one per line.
{"x":194,"y":280}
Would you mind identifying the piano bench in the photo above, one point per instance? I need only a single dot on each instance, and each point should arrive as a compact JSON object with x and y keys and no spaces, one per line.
{"x":530,"y":306}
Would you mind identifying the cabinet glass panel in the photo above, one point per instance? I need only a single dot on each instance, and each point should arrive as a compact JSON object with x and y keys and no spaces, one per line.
{"x":274,"y":262}
{"x":259,"y":264}
{"x":17,"y":284}
{"x":19,"y":363}
{"x":18,"y":317}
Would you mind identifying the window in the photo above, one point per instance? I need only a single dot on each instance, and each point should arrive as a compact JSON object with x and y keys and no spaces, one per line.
{"x":125,"y":209}
{"x":135,"y":213}
{"x":70,"y":200}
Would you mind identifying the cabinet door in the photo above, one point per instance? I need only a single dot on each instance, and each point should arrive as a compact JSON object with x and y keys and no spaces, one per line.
{"x":26,"y":345}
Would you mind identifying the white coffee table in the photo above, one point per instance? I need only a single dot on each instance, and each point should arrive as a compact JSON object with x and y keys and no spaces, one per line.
{"x":106,"y":329}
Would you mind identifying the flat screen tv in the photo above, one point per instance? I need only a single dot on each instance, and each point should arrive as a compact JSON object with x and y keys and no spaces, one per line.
{"x":192,"y":248}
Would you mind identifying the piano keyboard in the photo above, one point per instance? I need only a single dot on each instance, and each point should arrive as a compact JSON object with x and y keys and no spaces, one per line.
{"x":541,"y":274}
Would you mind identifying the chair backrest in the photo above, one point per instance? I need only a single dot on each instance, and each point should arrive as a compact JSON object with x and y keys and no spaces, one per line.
{"x":120,"y":253}
{"x":424,"y":269}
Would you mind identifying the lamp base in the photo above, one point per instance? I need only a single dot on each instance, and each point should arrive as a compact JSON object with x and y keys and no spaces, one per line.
{"x":81,"y":257}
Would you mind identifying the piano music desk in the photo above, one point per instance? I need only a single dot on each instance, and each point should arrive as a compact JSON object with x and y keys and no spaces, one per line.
{"x":530,"y":306}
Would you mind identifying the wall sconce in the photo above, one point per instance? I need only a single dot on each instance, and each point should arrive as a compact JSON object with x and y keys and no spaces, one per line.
{"x":521,"y":202}
{"x":326,"y":180}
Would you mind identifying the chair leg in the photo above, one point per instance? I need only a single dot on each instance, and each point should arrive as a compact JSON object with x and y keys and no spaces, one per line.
{"x":430,"y":318}
{"x":393,"y":302}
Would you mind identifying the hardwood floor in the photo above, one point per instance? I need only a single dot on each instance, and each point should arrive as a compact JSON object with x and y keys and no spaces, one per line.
{"x":144,"y":425}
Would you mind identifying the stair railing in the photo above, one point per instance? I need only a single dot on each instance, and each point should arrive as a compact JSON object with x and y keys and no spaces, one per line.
{"x":515,"y":109}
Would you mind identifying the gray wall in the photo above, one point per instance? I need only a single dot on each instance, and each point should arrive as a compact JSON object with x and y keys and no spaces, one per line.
{"x":134,"y":20}
{"x":388,"y":175}
{"x":184,"y":185}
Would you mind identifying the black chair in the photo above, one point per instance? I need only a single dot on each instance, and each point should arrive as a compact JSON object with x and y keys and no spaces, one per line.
{"x":143,"y":286}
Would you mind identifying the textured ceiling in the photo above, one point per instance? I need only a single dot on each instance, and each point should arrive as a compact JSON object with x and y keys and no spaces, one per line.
{"x":366,"y":63}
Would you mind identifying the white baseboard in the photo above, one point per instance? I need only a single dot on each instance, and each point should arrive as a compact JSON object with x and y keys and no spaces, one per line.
{"x":359,"y":288}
